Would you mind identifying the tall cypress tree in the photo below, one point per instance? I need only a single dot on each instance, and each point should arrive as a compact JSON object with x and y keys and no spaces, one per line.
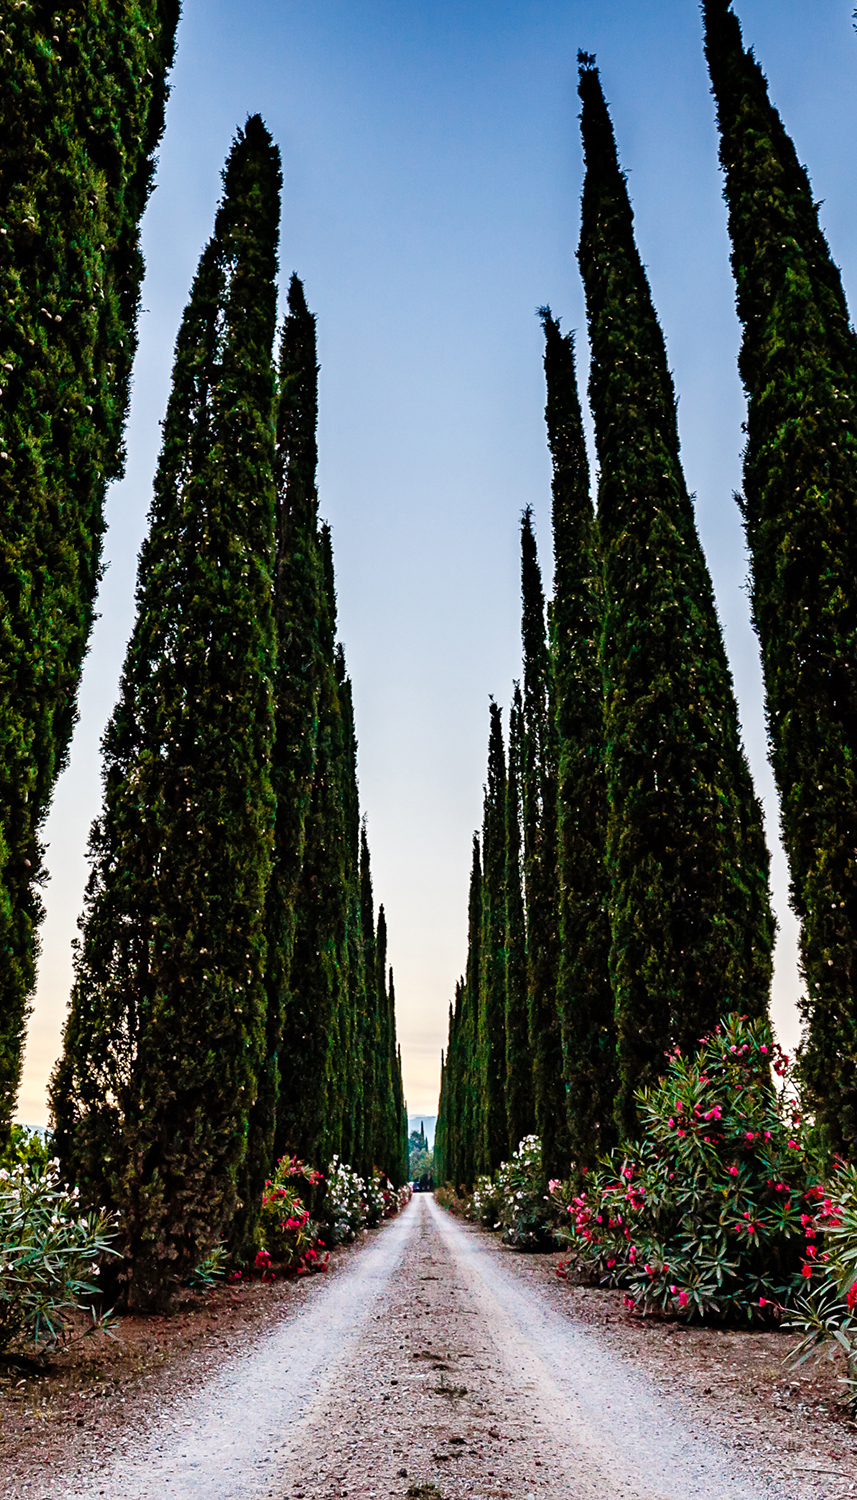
{"x":519,"y":1065}
{"x":471,"y":1103}
{"x":799,"y":367}
{"x":166,"y":1030}
{"x":369,"y":1020}
{"x":299,"y":604}
{"x":539,"y":783}
{"x":492,"y":957}
{"x":309,"y":1113}
{"x":692,"y":930}
{"x":441,"y":1126}
{"x":82,"y":97}
{"x":584,"y":994}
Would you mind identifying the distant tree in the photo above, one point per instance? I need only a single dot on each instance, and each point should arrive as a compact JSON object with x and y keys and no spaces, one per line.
{"x":166,"y":1031}
{"x":82,"y":95}
{"x":692,"y":929}
{"x":584,"y":993}
{"x":539,"y":797}
{"x":520,"y":1118}
{"x":799,"y":367}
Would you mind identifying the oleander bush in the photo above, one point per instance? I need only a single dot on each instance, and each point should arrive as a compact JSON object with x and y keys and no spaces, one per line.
{"x":484,"y":1205}
{"x":289,"y":1238}
{"x":717,"y":1210}
{"x":343,"y":1210}
{"x":826,"y":1313}
{"x":49,"y":1249}
{"x":528,"y":1210}
{"x":517,"y":1200}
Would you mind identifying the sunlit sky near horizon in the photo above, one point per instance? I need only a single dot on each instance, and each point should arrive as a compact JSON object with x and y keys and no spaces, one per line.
{"x":432,"y":176}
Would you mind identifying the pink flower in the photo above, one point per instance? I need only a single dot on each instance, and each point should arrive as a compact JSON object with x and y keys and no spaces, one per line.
{"x":763,"y":1301}
{"x":671,"y":1122}
{"x":806,"y":1270}
{"x":750,"y":1136}
{"x":733,"y":1171}
{"x":763,"y":1049}
{"x":851,"y":1297}
{"x":683,"y":1299}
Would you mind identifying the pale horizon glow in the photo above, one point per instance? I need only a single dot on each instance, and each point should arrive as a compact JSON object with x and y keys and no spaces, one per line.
{"x":432,"y":174}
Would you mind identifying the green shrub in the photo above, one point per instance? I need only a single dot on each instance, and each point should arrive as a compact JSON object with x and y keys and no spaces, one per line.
{"x":708,"y":1214}
{"x":377,"y":1189}
{"x":827,"y":1312}
{"x":26,"y":1147}
{"x":49,"y":1250}
{"x":527,"y":1210}
{"x":484,"y":1204}
{"x":289,"y":1237}
{"x":343,"y":1210}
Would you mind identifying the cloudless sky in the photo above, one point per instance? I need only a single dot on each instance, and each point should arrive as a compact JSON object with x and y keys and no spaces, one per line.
{"x":432,"y":176}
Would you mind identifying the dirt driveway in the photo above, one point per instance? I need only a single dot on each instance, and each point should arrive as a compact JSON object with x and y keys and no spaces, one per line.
{"x":437,"y":1364}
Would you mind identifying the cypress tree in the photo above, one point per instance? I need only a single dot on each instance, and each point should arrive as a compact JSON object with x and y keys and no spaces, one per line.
{"x":299,"y":603}
{"x":440,"y":1129}
{"x":798,"y":363}
{"x":692,"y":929}
{"x":369,"y":1017}
{"x":348,"y":1059}
{"x":519,"y":1065}
{"x":492,"y":989}
{"x":539,"y":785}
{"x":166,"y":1030}
{"x":584,"y":995}
{"x":82,"y":97}
{"x":471,"y":1121}
{"x":309,"y":1114}
{"x":383,"y":1080}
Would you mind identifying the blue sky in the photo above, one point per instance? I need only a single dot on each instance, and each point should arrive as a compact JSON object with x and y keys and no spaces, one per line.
{"x":432,"y":175}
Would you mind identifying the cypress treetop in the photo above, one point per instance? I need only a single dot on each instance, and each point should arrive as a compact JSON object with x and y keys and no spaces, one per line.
{"x":692,"y":930}
{"x":798,"y":363}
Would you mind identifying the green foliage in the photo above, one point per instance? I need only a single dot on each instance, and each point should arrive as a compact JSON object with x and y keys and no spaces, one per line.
{"x":82,"y":93}
{"x":539,"y":804}
{"x":49,"y":1251}
{"x":28,"y":1148}
{"x":584,"y":996}
{"x":691,"y":924}
{"x":166,"y":1031}
{"x":707,"y":1215}
{"x":799,"y":367}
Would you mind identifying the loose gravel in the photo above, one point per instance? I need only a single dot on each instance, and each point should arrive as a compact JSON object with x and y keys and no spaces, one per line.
{"x":435,"y":1365}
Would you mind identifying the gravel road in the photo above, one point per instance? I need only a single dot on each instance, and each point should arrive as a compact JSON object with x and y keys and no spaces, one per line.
{"x":429,"y":1367}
